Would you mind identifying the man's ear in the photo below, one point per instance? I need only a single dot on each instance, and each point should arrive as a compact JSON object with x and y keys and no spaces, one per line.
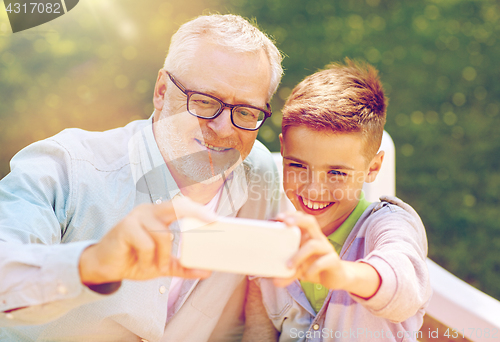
{"x":281,"y":143}
{"x":160,"y":89}
{"x":374,"y":167}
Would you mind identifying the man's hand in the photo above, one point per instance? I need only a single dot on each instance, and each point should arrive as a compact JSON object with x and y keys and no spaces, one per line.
{"x":317,"y":262}
{"x":139,"y":246}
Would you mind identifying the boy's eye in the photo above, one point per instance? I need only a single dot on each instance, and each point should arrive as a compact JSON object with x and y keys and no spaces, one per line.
{"x":337,"y":173}
{"x":296,"y":165}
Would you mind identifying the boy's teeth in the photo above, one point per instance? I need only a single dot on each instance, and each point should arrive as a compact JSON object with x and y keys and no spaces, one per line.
{"x":314,"y":205}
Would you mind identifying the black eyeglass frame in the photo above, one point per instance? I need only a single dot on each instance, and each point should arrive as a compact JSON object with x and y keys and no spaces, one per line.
{"x":189,"y":93}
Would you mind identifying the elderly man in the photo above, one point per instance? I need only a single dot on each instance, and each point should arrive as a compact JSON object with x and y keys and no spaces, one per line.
{"x":85,"y":215}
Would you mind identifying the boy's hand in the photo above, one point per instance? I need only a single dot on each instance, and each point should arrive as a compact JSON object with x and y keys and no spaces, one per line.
{"x":316,"y":261}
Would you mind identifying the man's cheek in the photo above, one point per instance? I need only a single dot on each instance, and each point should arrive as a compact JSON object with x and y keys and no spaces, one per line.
{"x":246,"y":143}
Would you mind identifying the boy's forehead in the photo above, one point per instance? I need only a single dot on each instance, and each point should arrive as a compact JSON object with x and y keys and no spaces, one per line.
{"x":324,"y":148}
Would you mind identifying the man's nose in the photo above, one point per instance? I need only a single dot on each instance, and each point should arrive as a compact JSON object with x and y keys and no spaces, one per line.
{"x":222,"y":124}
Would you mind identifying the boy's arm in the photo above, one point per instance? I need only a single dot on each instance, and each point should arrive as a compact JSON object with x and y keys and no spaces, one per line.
{"x":361,"y":279}
{"x":391,"y":281}
{"x":397,"y":246}
{"x":258,"y":326}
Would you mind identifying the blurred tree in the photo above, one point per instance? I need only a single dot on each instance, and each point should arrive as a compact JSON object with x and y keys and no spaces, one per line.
{"x":94,"y":68}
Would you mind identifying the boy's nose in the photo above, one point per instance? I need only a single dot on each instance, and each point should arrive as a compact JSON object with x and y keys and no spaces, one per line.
{"x":316,"y":187}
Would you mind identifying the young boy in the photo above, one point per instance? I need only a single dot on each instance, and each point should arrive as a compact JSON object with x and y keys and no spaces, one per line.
{"x":361,"y":272}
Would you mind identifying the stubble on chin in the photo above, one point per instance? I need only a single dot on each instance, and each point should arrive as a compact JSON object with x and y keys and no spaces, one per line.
{"x":178,"y":149}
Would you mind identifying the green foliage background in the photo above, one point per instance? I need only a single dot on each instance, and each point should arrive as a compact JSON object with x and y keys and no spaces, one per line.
{"x":95,"y":68}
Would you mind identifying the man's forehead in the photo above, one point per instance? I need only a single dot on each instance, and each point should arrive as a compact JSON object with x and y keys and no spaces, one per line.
{"x":242,"y":77}
{"x":238,"y":98}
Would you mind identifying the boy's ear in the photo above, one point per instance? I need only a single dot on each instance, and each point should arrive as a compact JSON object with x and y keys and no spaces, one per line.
{"x":374,"y":167}
{"x":281,"y":143}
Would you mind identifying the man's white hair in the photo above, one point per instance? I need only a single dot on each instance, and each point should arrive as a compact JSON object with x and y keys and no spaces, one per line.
{"x":229,"y":31}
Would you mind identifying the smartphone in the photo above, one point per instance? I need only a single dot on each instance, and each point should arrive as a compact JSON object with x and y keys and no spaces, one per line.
{"x":236,"y":245}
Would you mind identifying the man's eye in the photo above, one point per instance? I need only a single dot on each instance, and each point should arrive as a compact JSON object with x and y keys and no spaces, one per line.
{"x":203,"y":102}
{"x":296,"y":165}
{"x":247,"y":114}
{"x":337,"y":173}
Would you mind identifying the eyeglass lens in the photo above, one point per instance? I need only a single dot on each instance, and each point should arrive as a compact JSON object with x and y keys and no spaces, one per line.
{"x":242,"y":116}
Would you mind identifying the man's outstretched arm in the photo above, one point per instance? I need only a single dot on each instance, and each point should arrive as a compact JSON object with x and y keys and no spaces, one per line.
{"x":42,"y":278}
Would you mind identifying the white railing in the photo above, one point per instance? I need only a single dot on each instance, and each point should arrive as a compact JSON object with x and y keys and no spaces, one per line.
{"x":462,"y":307}
{"x":454,"y":303}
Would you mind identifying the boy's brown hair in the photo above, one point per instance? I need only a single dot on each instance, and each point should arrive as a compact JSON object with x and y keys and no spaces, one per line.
{"x":343,"y":98}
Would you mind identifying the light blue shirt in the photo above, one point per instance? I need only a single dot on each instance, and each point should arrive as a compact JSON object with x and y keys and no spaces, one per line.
{"x":63,"y":194}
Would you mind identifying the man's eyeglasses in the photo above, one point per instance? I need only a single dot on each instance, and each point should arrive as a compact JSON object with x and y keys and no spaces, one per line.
{"x":206,"y":106}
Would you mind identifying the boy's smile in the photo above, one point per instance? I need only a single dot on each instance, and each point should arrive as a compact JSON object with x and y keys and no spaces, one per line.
{"x":324,"y":173}
{"x":314,"y":206}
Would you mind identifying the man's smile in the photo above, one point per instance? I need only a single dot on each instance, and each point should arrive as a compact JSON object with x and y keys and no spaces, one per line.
{"x":211,"y":147}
